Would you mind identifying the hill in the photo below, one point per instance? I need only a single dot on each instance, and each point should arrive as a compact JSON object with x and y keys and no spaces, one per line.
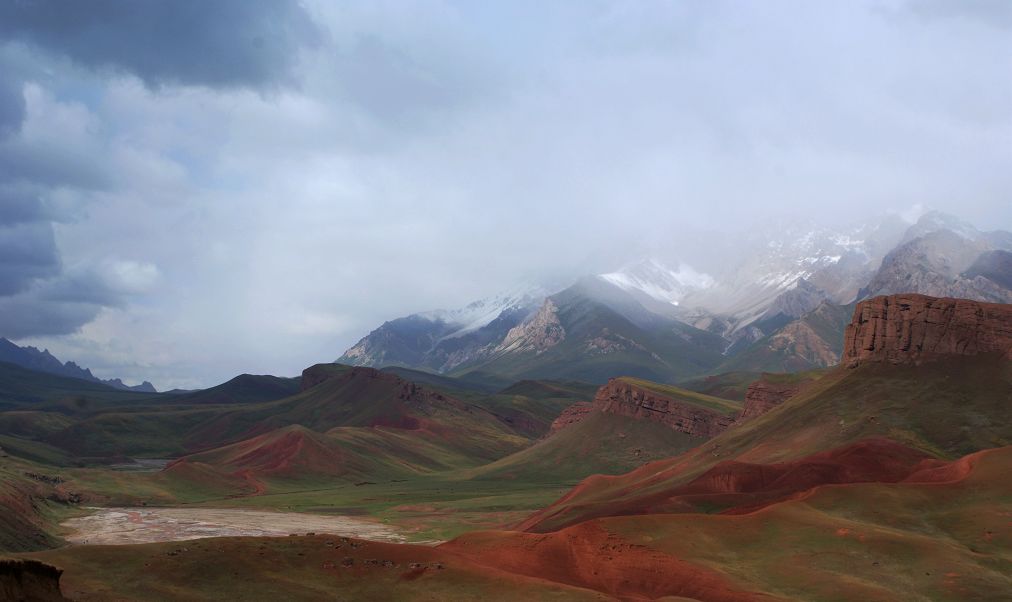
{"x":361,"y":423}
{"x":934,"y":530}
{"x":21,"y":388}
{"x":947,"y":407}
{"x":629,"y":422}
{"x":245,"y":388}
{"x":952,"y":407}
{"x":727,"y":385}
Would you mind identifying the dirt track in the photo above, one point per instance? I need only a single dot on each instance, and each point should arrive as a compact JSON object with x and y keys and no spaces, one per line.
{"x":147,"y":525}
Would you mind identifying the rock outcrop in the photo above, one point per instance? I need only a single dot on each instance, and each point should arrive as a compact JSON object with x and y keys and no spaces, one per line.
{"x":317,"y":374}
{"x":911,"y":328}
{"x":570,"y":416}
{"x":622,"y":397}
{"x":763,"y":395}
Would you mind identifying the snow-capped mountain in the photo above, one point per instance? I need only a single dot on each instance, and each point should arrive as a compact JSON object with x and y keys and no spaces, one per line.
{"x":441,"y":339}
{"x":658,"y":281}
{"x":480,"y":313}
{"x":781,"y":305}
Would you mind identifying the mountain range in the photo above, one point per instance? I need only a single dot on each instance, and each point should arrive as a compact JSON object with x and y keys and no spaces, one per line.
{"x":43,"y":361}
{"x":783,"y":306}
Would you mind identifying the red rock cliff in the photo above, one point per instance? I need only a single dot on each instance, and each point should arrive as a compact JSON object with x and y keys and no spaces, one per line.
{"x":624,"y":398}
{"x":911,"y":328}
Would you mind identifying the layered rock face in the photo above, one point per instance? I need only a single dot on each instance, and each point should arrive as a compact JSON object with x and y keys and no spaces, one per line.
{"x":624,"y":398}
{"x":911,"y":328}
{"x":763,"y":395}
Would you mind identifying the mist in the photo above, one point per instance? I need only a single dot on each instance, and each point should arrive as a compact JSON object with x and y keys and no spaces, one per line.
{"x":185,"y":204}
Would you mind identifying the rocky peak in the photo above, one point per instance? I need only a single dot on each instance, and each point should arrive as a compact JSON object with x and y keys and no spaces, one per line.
{"x":909,"y":328}
{"x":933,"y":265}
{"x":538,"y":334}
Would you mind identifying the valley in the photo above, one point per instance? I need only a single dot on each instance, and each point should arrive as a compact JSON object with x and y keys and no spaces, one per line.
{"x":448,"y":301}
{"x":884,"y":473}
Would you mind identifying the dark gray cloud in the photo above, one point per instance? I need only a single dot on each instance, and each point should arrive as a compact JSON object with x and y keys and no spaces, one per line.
{"x":224,"y":43}
{"x":37,"y":296}
{"x":18,"y":206}
{"x":27,"y":315}
{"x":27,"y":253}
{"x":25,"y":163}
{"x":12,"y":105}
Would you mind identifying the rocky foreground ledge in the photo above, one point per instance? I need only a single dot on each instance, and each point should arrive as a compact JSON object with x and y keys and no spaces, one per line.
{"x":29,"y":581}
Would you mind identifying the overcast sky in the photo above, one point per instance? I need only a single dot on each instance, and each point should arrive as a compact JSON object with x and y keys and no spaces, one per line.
{"x":190,"y":190}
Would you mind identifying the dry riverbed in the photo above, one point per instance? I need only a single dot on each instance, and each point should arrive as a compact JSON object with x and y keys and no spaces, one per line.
{"x":148,"y":525}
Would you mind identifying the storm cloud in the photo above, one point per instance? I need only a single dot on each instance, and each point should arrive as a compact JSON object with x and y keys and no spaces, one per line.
{"x":225,"y":43}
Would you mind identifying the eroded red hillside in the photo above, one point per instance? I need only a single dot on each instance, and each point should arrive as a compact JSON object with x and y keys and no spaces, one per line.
{"x":736,"y":487}
{"x":589,"y":556}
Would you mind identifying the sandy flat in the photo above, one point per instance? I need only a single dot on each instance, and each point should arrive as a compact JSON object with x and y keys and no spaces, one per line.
{"x":148,"y":525}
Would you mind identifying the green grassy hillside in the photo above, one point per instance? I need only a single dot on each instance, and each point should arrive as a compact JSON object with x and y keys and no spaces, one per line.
{"x":727,"y":385}
{"x":245,"y":388}
{"x":685,"y":396}
{"x":947,"y":408}
{"x":24,"y":389}
{"x":598,"y":444}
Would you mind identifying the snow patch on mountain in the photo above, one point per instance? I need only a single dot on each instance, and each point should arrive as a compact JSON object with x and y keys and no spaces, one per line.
{"x":659,"y":281}
{"x":480,"y":313}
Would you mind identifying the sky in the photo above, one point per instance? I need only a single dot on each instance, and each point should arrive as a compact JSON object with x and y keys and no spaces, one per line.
{"x":191,"y":190}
